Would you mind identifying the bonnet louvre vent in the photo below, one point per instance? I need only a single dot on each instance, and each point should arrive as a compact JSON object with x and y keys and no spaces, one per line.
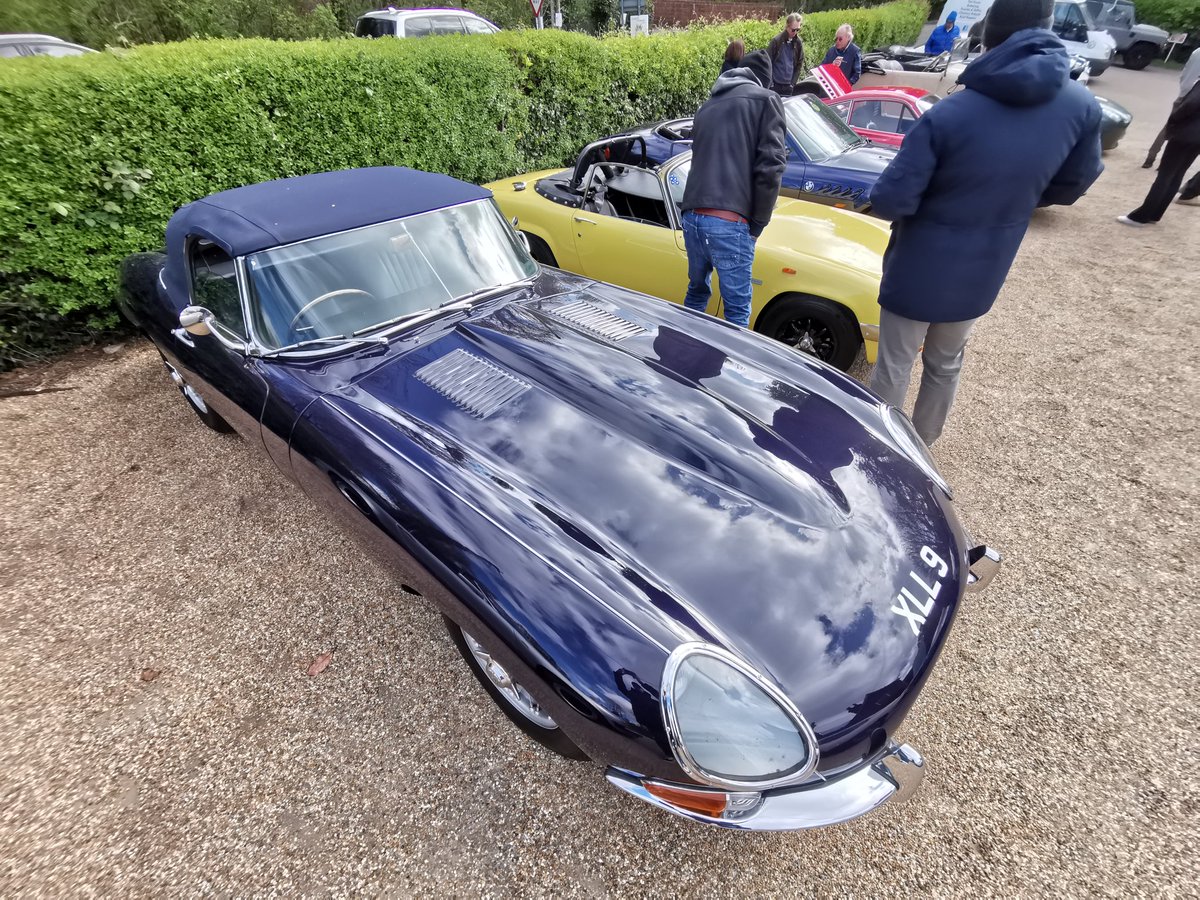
{"x":472,"y":383}
{"x":598,"y":321}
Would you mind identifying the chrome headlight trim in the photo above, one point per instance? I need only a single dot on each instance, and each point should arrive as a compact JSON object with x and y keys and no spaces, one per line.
{"x":674,"y":735}
{"x":907,"y":441}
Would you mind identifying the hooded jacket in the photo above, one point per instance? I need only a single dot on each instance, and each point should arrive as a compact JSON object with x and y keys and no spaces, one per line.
{"x":940,"y":40}
{"x":962,"y":188}
{"x":738,"y":147}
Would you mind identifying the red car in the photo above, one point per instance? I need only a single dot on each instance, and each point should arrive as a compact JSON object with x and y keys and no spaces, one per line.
{"x":883,"y":115}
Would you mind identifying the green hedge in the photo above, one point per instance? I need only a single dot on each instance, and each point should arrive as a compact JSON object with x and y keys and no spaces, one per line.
{"x":96,"y":152}
{"x":1173,"y":15}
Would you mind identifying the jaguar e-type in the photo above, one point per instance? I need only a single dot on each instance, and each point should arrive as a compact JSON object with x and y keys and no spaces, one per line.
{"x":720,"y":568}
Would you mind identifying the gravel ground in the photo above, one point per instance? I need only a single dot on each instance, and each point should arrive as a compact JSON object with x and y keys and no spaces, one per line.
{"x":1059,"y":726}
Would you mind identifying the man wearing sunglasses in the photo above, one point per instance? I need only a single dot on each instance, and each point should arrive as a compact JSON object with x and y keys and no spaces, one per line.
{"x":787,"y":56}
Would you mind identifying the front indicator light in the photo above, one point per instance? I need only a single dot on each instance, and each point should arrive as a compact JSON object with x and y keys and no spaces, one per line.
{"x":707,"y":803}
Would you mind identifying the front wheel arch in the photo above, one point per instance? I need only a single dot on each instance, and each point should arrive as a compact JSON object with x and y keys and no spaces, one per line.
{"x":841,"y":330}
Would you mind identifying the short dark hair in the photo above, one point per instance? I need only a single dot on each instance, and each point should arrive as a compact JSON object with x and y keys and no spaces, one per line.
{"x":735,"y":51}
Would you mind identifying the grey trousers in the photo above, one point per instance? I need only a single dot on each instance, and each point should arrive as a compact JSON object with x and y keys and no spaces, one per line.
{"x":945,"y":344}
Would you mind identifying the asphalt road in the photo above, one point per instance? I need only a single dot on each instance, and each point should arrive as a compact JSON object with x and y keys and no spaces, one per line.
{"x":1059,"y":726}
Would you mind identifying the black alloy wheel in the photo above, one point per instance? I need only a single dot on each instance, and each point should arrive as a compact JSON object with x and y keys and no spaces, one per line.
{"x":514,"y":701}
{"x":815,"y":326}
{"x":539,"y":250}
{"x":1139,"y":56}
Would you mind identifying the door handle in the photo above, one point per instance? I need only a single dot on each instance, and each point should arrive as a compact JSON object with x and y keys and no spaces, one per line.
{"x":183,"y":336}
{"x":583,"y":221}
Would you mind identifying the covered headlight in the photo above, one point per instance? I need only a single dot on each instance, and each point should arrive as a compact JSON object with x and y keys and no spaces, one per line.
{"x":910,"y":444}
{"x":728,"y":726}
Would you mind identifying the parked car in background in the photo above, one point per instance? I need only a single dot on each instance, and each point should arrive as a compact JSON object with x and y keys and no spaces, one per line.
{"x":1137,"y":43}
{"x":886,"y":114}
{"x":1080,"y":34}
{"x":15,"y":45}
{"x":393,"y":22}
{"x":719,"y":568}
{"x":827,"y":162}
{"x":882,"y":115}
{"x":614,"y":216}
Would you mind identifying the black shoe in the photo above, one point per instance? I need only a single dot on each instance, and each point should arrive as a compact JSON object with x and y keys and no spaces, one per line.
{"x":1148,"y":164}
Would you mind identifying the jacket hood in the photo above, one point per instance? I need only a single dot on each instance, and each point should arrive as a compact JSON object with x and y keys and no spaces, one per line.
{"x":755,"y":69}
{"x":1028,"y":69}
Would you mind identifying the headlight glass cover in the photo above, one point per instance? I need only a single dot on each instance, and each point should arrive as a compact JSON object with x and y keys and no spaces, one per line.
{"x":729,"y":726}
{"x":911,"y":445}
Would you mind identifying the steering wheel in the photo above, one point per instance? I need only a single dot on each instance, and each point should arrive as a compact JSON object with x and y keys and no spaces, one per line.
{"x":328,"y":295}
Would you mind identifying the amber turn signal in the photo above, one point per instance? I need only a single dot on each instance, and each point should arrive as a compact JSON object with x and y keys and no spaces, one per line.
{"x":708,"y":803}
{"x":787,"y":270}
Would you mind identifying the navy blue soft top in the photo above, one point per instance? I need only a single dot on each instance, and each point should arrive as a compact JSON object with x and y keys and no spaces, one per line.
{"x":272,"y":213}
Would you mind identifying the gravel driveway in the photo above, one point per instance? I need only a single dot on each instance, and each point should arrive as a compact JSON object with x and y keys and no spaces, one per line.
{"x":163,"y":590}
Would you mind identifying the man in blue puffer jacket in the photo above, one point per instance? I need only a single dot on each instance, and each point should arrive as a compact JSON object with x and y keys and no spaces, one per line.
{"x":960,"y":194}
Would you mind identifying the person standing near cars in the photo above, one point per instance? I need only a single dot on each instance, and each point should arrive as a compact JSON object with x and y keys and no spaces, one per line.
{"x":955,"y":234}
{"x":733,"y":55}
{"x":845,"y":54}
{"x":738,"y":157}
{"x":1182,"y":148}
{"x":942,"y":39}
{"x":787,"y":56}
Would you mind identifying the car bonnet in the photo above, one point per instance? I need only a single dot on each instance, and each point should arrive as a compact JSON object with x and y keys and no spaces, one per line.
{"x":676,"y":479}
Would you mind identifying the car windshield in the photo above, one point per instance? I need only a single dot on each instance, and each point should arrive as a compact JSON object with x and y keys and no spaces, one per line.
{"x":368,"y":279}
{"x":818,"y":130}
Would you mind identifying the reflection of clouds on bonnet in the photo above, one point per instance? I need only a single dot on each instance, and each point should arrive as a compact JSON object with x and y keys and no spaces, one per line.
{"x":681,"y":496}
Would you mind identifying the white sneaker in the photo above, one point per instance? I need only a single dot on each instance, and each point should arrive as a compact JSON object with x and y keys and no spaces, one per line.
{"x":1125,"y":220}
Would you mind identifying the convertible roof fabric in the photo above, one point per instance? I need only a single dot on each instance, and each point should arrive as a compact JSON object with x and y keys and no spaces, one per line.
{"x":273,"y":213}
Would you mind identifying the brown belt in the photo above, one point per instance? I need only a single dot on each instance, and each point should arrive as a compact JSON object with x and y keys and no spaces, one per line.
{"x":720,"y":214}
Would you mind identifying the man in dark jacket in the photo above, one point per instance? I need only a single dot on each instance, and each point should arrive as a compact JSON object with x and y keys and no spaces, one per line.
{"x":787,"y":56}
{"x":1183,"y":146}
{"x":960,"y":193}
{"x":845,"y":53}
{"x":738,"y":158}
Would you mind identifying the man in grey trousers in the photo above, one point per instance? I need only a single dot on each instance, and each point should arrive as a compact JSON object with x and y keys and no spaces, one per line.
{"x":955,"y":234}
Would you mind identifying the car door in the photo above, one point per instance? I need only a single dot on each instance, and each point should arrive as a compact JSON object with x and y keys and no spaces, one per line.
{"x":1070,"y":27}
{"x":215,"y":365}
{"x":628,"y":235}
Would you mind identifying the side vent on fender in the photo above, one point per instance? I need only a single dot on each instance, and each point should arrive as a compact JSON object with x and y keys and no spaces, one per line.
{"x":472,"y":383}
{"x":595,"y":320}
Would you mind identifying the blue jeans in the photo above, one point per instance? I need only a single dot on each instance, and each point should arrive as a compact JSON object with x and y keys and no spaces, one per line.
{"x":714,"y":243}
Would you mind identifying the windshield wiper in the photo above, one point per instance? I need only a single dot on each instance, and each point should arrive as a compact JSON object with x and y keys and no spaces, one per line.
{"x":336,"y":339}
{"x":447,"y":306}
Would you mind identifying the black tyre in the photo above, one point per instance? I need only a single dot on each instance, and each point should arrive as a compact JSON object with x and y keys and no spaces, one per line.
{"x":539,"y":250}
{"x":813,"y":325}
{"x":512,"y":699}
{"x":1139,"y":56}
{"x":209,"y":417}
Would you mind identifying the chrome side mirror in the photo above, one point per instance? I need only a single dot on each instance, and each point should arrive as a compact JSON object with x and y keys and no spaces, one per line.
{"x":195,"y":320}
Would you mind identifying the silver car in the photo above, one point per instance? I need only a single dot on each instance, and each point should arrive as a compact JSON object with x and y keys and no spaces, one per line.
{"x":393,"y":22}
{"x":14,"y":45}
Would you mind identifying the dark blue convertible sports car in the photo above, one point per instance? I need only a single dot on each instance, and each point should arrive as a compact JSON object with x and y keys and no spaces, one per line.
{"x":827,"y":161}
{"x":718,"y":566}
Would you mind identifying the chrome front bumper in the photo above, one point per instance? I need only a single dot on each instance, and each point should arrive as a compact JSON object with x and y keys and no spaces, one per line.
{"x":892,"y":778}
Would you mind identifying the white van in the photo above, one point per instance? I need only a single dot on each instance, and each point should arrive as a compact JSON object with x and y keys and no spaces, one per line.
{"x":1079,"y":33}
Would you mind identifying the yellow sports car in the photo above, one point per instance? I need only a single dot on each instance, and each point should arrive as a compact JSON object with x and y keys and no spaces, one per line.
{"x":615,"y":217}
